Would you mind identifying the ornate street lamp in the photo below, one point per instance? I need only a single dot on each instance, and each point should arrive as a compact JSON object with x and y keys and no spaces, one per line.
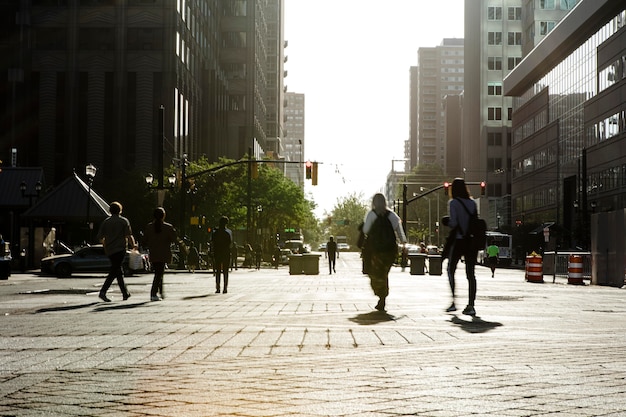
{"x":159,"y":188}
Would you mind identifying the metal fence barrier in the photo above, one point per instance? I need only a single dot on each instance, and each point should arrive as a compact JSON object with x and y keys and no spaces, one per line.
{"x":560,"y":267}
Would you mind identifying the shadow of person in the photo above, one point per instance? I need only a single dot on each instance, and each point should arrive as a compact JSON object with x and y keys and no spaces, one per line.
{"x":193,"y":297}
{"x":373,"y":317}
{"x":475,"y":325}
{"x":124,"y":306}
{"x":65,"y":308}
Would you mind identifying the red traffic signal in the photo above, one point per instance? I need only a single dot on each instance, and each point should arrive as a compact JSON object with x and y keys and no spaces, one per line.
{"x":309,"y":167}
{"x":446,"y":188}
{"x":483,"y":185}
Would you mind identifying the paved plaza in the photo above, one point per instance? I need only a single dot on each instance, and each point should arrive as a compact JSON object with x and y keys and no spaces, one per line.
{"x":311,"y":345}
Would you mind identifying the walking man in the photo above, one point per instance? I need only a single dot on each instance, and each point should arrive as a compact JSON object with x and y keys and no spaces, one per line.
{"x":115,"y":233}
{"x":493,"y":253}
{"x":222,"y":241}
{"x":331,"y":254}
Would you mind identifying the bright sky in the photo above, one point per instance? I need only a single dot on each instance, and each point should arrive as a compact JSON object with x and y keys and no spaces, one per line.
{"x":351,"y":59}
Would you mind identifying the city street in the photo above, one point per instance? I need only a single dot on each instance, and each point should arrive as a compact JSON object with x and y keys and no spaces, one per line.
{"x":311,"y":345}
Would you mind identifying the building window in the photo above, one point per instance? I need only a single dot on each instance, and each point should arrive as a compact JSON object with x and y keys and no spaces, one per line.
{"x":494,"y":113}
{"x":494,"y":164}
{"x":494,"y":13}
{"x":509,"y":114}
{"x":494,"y":38}
{"x":568,"y":4}
{"x":494,"y":63}
{"x":494,"y":89}
{"x":547,"y":4}
{"x":546,"y":27}
{"x":514,"y":38}
{"x":494,"y":138}
{"x":515,"y":13}
{"x":513,"y":62}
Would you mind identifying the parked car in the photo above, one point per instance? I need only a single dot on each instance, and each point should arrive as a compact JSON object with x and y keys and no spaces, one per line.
{"x":343,"y":247}
{"x":85,"y":259}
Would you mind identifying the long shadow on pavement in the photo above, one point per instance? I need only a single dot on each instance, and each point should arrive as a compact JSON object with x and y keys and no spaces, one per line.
{"x":373,"y":317}
{"x":475,"y":325}
{"x":125,"y":306}
{"x":65,"y":308}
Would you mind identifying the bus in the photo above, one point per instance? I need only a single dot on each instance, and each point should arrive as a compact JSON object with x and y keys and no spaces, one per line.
{"x":504,"y":242}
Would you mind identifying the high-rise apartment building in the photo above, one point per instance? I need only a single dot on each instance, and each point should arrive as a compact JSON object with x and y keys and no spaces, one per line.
{"x":293,"y":142}
{"x":83,"y":82}
{"x":439,"y":73}
{"x":496,"y":33}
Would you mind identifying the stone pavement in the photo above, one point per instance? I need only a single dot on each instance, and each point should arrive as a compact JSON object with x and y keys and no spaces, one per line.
{"x":281,"y":345}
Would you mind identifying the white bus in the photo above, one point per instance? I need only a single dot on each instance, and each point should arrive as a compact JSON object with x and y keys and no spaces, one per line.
{"x":504,"y":242}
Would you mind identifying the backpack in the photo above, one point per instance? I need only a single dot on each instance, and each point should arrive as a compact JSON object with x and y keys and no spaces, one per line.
{"x":477,"y":230}
{"x":382,"y":237}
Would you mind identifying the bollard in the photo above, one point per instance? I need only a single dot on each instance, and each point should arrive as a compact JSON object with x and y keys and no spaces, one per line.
{"x":575,"y":270}
{"x":534,"y":268}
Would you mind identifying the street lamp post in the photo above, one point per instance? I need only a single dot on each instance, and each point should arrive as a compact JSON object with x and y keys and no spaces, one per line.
{"x":31,"y":239}
{"x":159,"y":188}
{"x":90,"y":172}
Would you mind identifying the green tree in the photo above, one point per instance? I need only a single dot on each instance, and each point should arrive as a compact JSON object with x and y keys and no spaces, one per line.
{"x":346,"y":216}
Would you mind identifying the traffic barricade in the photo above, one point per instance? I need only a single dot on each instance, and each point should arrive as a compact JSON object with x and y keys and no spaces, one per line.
{"x":575,"y":270}
{"x":534,"y":268}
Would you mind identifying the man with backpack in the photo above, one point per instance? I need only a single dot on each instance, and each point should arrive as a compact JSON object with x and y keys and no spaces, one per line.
{"x":382,"y":228}
{"x":463,"y":211}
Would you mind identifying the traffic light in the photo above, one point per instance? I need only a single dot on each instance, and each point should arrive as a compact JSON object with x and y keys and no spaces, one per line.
{"x":309,"y":168}
{"x":446,"y":188}
{"x":483,"y":184}
{"x":314,"y":174}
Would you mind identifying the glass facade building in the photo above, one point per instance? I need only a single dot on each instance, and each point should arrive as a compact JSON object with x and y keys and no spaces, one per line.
{"x":569,"y":121}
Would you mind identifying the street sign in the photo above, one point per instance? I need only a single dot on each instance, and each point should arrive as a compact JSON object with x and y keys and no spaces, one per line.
{"x":546,"y":234}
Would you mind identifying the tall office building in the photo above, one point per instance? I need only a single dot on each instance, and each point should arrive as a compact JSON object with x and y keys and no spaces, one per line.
{"x":438,"y":74}
{"x":294,"y":137}
{"x":496,"y":32}
{"x":84,"y":82}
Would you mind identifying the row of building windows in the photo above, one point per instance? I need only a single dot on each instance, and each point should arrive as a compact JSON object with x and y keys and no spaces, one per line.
{"x":607,"y":128}
{"x":495,"y":13}
{"x":610,"y":179}
{"x":612,"y":74}
{"x":532,"y":125}
{"x":538,"y":198}
{"x":495,"y":113}
{"x":494,"y":63}
{"x":534,"y":162}
{"x":513,"y":38}
{"x":551,"y":4}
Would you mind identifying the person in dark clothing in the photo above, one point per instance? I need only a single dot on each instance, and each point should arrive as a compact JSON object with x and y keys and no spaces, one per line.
{"x":222,"y":241}
{"x":258,"y":255}
{"x":458,"y":221}
{"x":115,"y":234}
{"x":380,"y":262}
{"x":331,"y":254}
{"x":158,"y":238}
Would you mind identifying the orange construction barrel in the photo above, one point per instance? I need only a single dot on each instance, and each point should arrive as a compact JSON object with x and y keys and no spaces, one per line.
{"x":534,"y":268}
{"x":575,"y":270}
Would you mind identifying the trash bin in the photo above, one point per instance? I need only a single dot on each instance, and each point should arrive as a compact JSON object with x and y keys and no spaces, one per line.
{"x":311,"y":264}
{"x":295,"y":264}
{"x":5,"y":267}
{"x":418,"y":262}
{"x":434,"y":264}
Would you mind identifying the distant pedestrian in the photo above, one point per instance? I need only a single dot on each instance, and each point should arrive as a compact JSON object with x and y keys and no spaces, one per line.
{"x":222,"y":241}
{"x":193,"y":258}
{"x":461,"y":207}
{"x":383,"y":228}
{"x":493,"y":254}
{"x":248,"y":255}
{"x":158,"y":238}
{"x":331,"y":253}
{"x":116,"y":235}
{"x":233,"y":255}
{"x":277,"y":256}
{"x":258,"y":255}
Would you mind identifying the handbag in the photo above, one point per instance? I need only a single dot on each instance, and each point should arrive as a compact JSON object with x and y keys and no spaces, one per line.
{"x":135,"y":260}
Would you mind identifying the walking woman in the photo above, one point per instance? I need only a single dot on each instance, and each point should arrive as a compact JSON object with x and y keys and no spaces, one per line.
{"x":159,"y":236}
{"x":461,"y":207}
